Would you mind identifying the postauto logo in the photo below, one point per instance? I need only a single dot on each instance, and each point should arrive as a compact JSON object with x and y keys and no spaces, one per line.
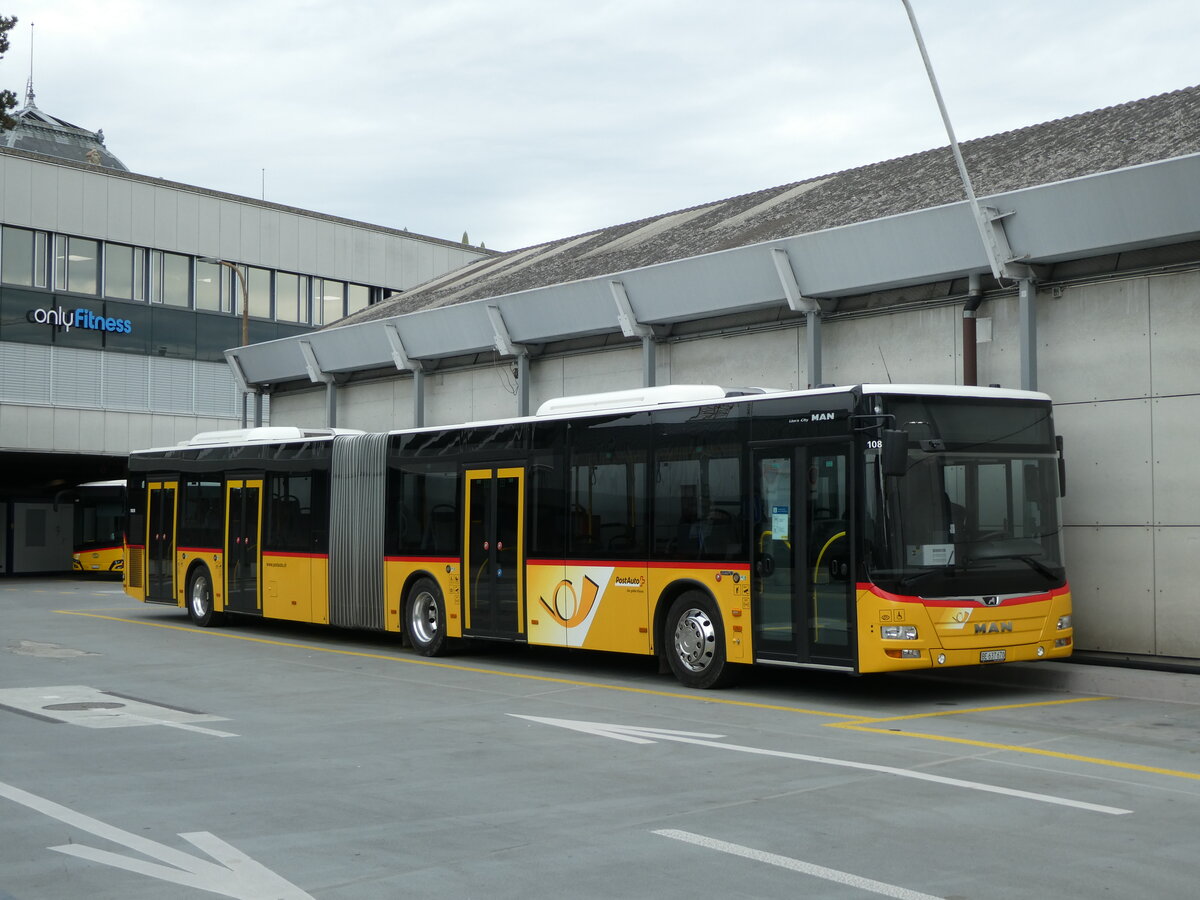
{"x":66,"y":319}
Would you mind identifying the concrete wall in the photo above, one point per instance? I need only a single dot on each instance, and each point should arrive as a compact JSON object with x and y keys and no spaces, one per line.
{"x":114,"y":206}
{"x":1119,"y":357}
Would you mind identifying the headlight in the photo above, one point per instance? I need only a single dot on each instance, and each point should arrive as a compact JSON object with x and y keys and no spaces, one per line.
{"x":898,"y":632}
{"x":1064,"y":622}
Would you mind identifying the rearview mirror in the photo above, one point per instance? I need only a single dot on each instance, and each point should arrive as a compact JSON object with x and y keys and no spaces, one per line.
{"x":894,"y":455}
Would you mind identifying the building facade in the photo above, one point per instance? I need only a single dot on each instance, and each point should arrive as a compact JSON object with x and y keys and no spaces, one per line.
{"x":119,"y":295}
{"x":872,"y":275}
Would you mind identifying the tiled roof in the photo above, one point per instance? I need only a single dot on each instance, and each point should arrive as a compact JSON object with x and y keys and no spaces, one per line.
{"x":39,"y":132}
{"x":1156,"y":128}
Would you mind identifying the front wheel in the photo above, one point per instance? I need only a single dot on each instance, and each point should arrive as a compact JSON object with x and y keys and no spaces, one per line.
{"x":200,"y":599}
{"x":425,"y":618}
{"x":695,"y":642}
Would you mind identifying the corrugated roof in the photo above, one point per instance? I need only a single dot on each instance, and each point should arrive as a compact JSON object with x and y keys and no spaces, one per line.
{"x":1148,"y":130}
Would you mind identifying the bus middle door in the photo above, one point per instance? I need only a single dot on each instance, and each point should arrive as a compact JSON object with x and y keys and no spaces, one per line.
{"x":243,"y":545}
{"x":494,"y":552}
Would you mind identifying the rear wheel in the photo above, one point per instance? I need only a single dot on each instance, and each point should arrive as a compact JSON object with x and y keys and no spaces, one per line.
{"x":695,"y":642}
{"x":425,"y":618}
{"x":200,"y":599}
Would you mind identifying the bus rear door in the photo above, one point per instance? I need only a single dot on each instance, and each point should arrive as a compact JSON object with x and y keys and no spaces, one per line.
{"x":243,"y":545}
{"x":494,"y":552}
{"x":160,"y":541}
{"x":802,"y":593}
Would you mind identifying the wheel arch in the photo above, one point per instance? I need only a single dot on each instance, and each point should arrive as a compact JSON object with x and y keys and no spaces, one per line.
{"x":405,"y":589}
{"x":193,"y":565}
{"x":666,"y":597}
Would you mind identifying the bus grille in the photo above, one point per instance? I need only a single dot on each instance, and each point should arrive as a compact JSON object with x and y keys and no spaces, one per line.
{"x":134,"y":576}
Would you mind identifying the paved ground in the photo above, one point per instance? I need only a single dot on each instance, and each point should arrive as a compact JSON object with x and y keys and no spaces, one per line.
{"x":145,"y":758}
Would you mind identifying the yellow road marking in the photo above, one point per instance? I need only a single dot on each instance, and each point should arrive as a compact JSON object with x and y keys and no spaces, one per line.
{"x":421,"y":661}
{"x":958,"y":712}
{"x":1034,"y":751}
{"x":852,"y":723}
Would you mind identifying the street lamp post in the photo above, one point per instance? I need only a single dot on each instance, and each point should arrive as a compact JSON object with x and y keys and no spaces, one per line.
{"x":237,"y":270}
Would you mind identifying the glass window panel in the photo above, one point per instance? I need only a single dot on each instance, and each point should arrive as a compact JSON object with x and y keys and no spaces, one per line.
{"x":287,"y":293}
{"x":41,"y":253}
{"x":208,"y":285}
{"x":83,"y":265}
{"x":139,"y":274}
{"x":16,"y":265}
{"x":259,"y":286}
{"x":60,"y":262}
{"x":330,"y":306}
{"x":175,"y":279}
{"x":358,"y":297}
{"x":118,"y":271}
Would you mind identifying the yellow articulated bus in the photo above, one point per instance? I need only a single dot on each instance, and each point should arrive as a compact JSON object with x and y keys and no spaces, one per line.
{"x":863,"y":529}
{"x":98,"y":545}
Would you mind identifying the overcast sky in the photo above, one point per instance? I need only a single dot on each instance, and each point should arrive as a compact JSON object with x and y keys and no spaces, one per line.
{"x":521,"y":121}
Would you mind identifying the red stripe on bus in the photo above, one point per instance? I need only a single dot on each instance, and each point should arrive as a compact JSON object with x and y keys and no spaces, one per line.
{"x":295,"y":555}
{"x":1014,"y":601}
{"x":450,"y":560}
{"x":199,"y":549}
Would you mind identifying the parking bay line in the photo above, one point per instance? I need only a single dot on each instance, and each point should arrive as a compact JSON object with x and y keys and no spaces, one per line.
{"x":848,"y":721}
{"x":796,"y":865}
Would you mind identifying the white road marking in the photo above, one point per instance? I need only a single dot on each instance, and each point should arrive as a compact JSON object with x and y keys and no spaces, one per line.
{"x":636,"y":735}
{"x":797,"y":865}
{"x":77,"y":704}
{"x":233,"y":875}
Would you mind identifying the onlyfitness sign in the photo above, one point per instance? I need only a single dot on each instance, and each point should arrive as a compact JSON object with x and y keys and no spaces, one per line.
{"x":82,"y":318}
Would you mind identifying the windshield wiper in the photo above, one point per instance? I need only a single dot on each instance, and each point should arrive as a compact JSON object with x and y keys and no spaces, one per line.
{"x":1038,"y":567}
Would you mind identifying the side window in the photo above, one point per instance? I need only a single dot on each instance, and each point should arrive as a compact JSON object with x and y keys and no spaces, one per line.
{"x":607,"y":508}
{"x":423,"y":509}
{"x":699,"y":509}
{"x":290,"y":525}
{"x":201,"y":513}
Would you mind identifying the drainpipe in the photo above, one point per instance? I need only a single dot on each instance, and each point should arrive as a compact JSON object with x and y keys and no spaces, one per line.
{"x":974,"y":299}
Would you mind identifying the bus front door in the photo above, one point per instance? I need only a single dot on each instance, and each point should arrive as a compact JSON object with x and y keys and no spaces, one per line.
{"x":243,"y":554}
{"x":494,"y":552}
{"x":160,"y":541}
{"x":801,"y":580}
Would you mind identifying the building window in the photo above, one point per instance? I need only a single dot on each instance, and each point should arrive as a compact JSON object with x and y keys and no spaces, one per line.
{"x":23,"y":257}
{"x":329,"y":301}
{"x":258,"y":283}
{"x":291,"y":297}
{"x":124,"y":272}
{"x":76,"y":264}
{"x":170,"y":278}
{"x":358,"y":297}
{"x":208,"y":285}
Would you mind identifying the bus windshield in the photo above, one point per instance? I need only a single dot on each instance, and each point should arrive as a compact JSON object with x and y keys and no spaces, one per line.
{"x":976,"y":511}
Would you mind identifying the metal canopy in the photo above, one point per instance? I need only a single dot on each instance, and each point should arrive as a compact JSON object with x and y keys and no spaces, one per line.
{"x":1151,"y":204}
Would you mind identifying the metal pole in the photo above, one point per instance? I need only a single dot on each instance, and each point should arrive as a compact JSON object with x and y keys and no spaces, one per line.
{"x":245,"y":322}
{"x":1027,"y":312}
{"x":813,"y":339}
{"x":649,"y":361}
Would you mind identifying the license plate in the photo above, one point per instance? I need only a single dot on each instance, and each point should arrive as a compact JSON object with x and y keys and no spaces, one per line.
{"x":991,"y":655}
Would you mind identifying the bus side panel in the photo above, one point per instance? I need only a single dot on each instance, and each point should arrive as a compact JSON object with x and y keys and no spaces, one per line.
{"x":319,"y":589}
{"x":287,"y":586}
{"x":961,"y":631}
{"x":135,"y":572}
{"x":596,"y":606}
{"x":730,"y":586}
{"x":400,"y":572}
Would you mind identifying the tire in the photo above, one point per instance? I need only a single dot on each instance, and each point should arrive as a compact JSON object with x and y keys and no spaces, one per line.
{"x":695,"y":642}
{"x":425,"y":618}
{"x":200,"y":599}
